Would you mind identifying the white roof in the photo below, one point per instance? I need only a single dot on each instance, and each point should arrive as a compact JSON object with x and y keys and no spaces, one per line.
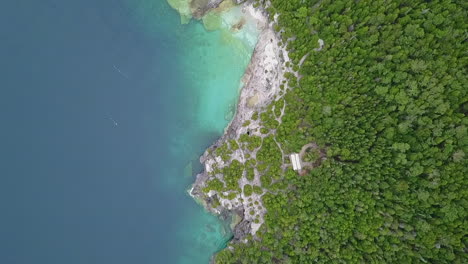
{"x":295,"y":161}
{"x":298,"y":162}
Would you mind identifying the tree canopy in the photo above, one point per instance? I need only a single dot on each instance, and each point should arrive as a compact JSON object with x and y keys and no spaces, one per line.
{"x":387,"y":98}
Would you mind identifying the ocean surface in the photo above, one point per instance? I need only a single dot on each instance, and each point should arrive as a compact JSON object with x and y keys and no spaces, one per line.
{"x":105,"y":107}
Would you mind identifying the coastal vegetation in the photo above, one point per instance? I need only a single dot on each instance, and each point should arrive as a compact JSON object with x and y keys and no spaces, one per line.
{"x":385,"y":98}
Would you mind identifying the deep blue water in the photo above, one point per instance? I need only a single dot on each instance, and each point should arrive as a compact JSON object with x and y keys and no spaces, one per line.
{"x":74,"y":186}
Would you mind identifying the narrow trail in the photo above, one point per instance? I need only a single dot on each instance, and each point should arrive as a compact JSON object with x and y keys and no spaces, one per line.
{"x":282,"y":152}
{"x":305,"y":147}
{"x":303,"y":59}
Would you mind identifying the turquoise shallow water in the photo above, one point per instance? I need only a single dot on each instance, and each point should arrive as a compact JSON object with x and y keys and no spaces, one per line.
{"x":105,"y":107}
{"x":212,"y":64}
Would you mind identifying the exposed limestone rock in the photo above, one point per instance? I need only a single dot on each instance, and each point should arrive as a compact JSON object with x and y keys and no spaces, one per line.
{"x":200,"y":7}
{"x":262,"y":81}
{"x":241,"y":230}
{"x":262,"y":84}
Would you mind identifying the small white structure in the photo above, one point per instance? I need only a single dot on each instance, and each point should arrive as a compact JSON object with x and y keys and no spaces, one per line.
{"x":295,"y":161}
{"x":292,"y":157}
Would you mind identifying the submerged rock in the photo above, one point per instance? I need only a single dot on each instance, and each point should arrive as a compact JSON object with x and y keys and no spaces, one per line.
{"x":183,"y":7}
{"x":212,"y":21}
{"x":238,"y":26}
{"x":193,"y":8}
{"x":199,"y":7}
{"x":188,"y":170}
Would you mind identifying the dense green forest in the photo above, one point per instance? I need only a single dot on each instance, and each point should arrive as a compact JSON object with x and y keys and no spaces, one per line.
{"x":387,"y":100}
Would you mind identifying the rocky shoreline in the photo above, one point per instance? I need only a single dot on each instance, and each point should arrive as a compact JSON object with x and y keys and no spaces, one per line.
{"x":262,"y":83}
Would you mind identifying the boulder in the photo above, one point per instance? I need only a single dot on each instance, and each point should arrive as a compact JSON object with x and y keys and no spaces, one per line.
{"x":241,"y":230}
